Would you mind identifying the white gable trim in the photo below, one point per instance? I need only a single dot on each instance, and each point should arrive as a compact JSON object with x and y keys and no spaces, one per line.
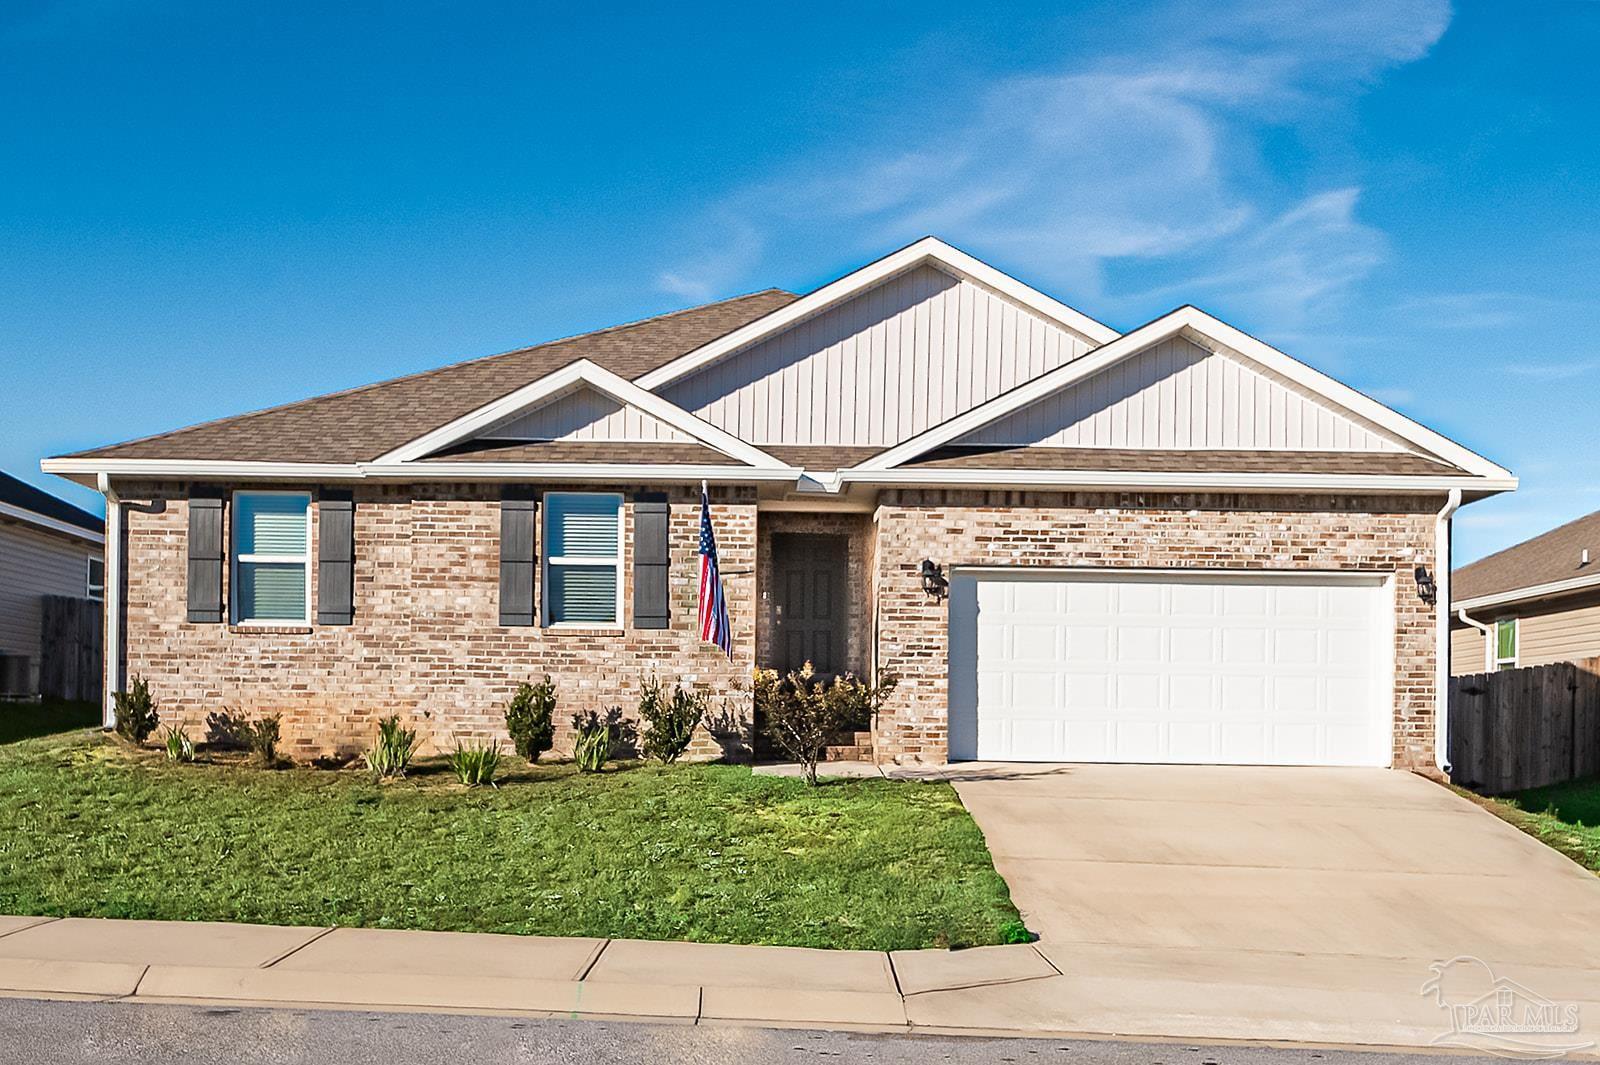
{"x":1200,"y":327}
{"x":84,"y":470}
{"x":582,"y":372}
{"x":45,"y":521}
{"x":927,"y":250}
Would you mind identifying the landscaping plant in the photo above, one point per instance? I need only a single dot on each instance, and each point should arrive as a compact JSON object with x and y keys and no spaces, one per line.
{"x":803,"y":716}
{"x":594,"y":741}
{"x":180,"y":748}
{"x":136,"y":716}
{"x":261,"y":736}
{"x":476,"y":764}
{"x":669,"y":721}
{"x":391,"y":755}
{"x":530,"y":718}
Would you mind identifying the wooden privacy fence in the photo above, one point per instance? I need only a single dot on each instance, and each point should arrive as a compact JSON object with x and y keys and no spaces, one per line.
{"x":69,"y":649}
{"x":1525,"y":728}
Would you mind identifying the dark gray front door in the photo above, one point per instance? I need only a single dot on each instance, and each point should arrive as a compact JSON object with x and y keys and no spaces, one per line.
{"x":808,"y":575}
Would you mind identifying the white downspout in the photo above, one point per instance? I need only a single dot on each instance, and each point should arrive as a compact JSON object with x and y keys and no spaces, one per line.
{"x":112,"y":603}
{"x":1488,"y":638}
{"x":1441,"y":641}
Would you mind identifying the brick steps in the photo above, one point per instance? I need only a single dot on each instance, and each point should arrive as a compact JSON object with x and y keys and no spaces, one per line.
{"x":856,"y":748}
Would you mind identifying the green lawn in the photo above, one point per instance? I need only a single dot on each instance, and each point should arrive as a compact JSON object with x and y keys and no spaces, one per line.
{"x":706,"y":852}
{"x":19,"y":721}
{"x":1564,"y":816}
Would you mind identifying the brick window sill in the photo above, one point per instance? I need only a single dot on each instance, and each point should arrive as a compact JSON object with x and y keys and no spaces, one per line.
{"x":270,"y":630}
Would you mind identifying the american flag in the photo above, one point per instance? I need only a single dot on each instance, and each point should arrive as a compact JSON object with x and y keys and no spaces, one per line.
{"x":714,"y":626}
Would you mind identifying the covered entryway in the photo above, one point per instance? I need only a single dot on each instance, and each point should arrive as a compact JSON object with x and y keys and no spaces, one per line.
{"x":1241,"y":667}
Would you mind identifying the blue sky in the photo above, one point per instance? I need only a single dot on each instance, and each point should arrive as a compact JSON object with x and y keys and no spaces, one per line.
{"x":208,"y":208}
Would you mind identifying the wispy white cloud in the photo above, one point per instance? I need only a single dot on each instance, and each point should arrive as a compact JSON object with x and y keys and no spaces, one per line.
{"x":1553,"y":371}
{"x":1474,"y":310}
{"x":1143,"y":157}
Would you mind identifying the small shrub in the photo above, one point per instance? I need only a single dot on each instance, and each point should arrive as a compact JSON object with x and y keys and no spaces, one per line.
{"x":594,"y":741}
{"x":802,"y":715}
{"x":476,"y":764}
{"x":180,"y":748}
{"x":1016,"y":932}
{"x":261,"y":737}
{"x":669,"y":721}
{"x":530,"y":718}
{"x":136,"y":716}
{"x":227,"y":730}
{"x":391,"y":755}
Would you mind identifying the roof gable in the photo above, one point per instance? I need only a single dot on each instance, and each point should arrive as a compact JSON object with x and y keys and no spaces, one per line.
{"x":585,"y":413}
{"x":1176,"y":394}
{"x":880,"y":366}
{"x":576,"y":378}
{"x":1204,"y":330}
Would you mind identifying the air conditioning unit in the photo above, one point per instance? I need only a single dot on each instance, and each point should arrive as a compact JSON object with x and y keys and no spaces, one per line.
{"x":16,"y":676}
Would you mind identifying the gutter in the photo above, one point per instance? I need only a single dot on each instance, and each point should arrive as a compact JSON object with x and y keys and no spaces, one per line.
{"x":1532,"y":591}
{"x":111,"y":603}
{"x":1488,"y":635}
{"x":1441,"y":636}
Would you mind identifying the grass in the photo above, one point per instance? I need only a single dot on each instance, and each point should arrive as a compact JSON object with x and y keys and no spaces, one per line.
{"x":1563,"y":816}
{"x":702,"y":852}
{"x":20,"y":721}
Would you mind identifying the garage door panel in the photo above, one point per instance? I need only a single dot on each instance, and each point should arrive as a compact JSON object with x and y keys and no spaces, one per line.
{"x":1185,"y":667}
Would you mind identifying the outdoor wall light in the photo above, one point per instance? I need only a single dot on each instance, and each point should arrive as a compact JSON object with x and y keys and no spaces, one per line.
{"x":1427,"y":591}
{"x":933,"y":581}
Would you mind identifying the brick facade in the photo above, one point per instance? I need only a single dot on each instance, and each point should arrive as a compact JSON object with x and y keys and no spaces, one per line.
{"x":970,"y":528}
{"x":426,"y":642}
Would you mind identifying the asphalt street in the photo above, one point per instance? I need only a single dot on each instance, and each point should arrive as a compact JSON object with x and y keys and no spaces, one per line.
{"x":46,"y":1032}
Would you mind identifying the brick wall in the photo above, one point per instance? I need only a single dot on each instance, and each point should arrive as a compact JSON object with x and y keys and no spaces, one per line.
{"x":963,"y":528}
{"x":426,"y":642}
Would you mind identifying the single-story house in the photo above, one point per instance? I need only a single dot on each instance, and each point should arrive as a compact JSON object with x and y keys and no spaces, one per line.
{"x":47,"y":547}
{"x":1175,"y":544}
{"x":1533,"y":603}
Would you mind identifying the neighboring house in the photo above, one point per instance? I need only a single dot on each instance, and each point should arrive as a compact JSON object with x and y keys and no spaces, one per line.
{"x":1172,"y":545}
{"x":1533,"y":603}
{"x":47,"y":547}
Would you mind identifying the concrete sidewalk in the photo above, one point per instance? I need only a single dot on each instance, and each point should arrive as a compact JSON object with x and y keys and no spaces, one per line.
{"x":367,"y":968}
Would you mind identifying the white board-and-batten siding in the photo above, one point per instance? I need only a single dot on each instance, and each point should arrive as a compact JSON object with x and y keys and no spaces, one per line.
{"x":585,"y":414}
{"x":34,"y":564}
{"x":1179,"y":395}
{"x":882,"y":367}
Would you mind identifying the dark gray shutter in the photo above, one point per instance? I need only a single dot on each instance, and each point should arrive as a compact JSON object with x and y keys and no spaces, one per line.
{"x":651,"y":561}
{"x":205,"y":556}
{"x":336,"y":558}
{"x":519,"y":522}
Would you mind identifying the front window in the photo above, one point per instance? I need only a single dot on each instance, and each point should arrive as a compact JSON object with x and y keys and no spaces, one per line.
{"x":1505,"y":644}
{"x":271,"y":557}
{"x":582,"y":558}
{"x":95,"y":580}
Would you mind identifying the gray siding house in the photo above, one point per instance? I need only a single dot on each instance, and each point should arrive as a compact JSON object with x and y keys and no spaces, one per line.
{"x":47,"y":547}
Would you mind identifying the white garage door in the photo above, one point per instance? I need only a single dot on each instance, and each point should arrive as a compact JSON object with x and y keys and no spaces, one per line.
{"x":1243,"y":668}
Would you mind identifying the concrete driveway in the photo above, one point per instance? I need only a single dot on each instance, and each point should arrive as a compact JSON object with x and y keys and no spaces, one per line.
{"x":1303,"y":904}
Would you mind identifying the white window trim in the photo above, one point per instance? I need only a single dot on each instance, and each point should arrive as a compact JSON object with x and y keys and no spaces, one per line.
{"x":546,"y":560}
{"x":88,"y":578}
{"x":235,"y":557}
{"x":1496,"y":663}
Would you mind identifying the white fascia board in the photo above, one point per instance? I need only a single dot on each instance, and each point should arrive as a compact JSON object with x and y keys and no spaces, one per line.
{"x":406,"y":471}
{"x":45,"y":521}
{"x":1533,"y":591}
{"x":581,"y":372}
{"x":1058,"y":480}
{"x":926,"y":250}
{"x":1201,"y":326}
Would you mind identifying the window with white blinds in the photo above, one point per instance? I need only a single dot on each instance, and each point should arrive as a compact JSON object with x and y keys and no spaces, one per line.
{"x":582,"y":558}
{"x":271,"y":557}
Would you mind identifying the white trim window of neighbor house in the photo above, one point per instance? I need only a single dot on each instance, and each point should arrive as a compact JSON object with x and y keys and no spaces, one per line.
{"x":271,"y":557}
{"x":582,"y":559}
{"x":94,"y":579}
{"x":1505,"y":644}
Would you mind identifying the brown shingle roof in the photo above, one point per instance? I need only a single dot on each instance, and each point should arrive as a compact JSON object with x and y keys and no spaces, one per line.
{"x":819,"y":457}
{"x":1545,"y":559}
{"x":1142,"y":460}
{"x":360,"y":424}
{"x":584,"y":451}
